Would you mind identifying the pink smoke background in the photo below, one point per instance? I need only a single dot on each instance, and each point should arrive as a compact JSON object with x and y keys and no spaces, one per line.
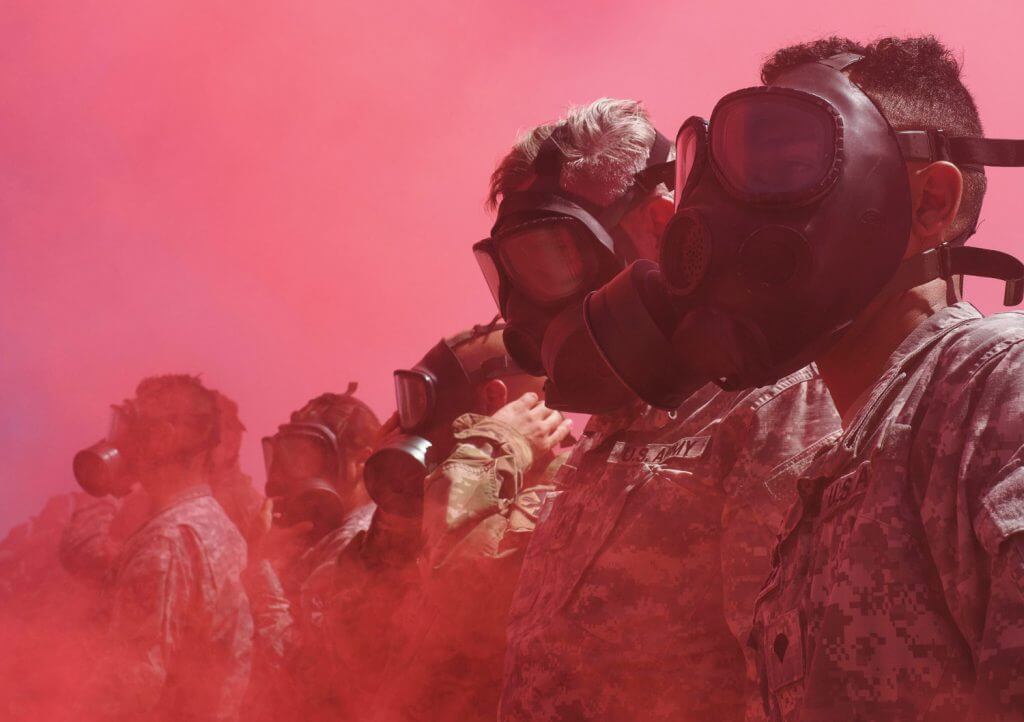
{"x":282,"y":196}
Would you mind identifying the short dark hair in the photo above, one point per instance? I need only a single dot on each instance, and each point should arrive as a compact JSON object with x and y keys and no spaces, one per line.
{"x":353,"y":422}
{"x":201,"y":400}
{"x":915,"y":83}
{"x":205,"y":400}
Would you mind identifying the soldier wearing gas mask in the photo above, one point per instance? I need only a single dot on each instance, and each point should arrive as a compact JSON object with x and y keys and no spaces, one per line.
{"x":823,"y":217}
{"x":99,"y":526}
{"x":450,"y":485}
{"x":317,"y":499}
{"x":180,"y":632}
{"x":317,"y":507}
{"x":660,"y":540}
{"x":490,"y":460}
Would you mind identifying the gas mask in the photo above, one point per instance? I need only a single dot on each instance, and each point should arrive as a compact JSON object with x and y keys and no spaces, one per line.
{"x":548,"y":249}
{"x":792,"y":216}
{"x":429,"y":396}
{"x":112,"y":465}
{"x":103,"y":468}
{"x":304,"y":464}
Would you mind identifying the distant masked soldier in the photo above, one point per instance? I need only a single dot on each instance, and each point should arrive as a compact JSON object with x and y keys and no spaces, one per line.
{"x":476,"y":447}
{"x":93,"y":537}
{"x":335,"y":640}
{"x":180,"y":632}
{"x":317,"y":506}
{"x":641,"y":574}
{"x":823,"y":216}
{"x":314,"y":469}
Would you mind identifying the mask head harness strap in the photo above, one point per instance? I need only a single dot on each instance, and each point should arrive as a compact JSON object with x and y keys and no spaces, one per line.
{"x":953,"y":258}
{"x":546,"y":195}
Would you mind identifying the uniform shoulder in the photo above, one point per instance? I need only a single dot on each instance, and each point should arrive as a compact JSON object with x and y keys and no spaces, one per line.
{"x":803,"y":387}
{"x":975,"y":342}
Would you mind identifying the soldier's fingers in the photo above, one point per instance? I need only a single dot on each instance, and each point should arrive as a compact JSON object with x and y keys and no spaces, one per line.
{"x":540,"y":411}
{"x":552,"y":420}
{"x":529,"y":400}
{"x":560,"y":432}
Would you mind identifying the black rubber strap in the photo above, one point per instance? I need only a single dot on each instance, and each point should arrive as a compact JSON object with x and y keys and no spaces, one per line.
{"x":986,"y":151}
{"x":548,"y":162}
{"x":933,"y":145}
{"x":947,"y":261}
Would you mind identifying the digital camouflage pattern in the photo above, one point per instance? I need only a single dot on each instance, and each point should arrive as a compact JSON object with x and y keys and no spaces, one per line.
{"x":641,"y":576}
{"x":180,"y":632}
{"x":479,"y":512}
{"x":897,"y":590}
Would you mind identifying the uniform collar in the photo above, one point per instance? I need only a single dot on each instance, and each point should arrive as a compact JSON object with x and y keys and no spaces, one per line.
{"x":193,"y":492}
{"x":918,"y":340}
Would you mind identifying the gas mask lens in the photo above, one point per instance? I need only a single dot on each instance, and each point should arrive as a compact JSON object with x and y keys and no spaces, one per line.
{"x":490,"y":270}
{"x":775,"y":146}
{"x":299,"y":456}
{"x":691,"y":147}
{"x":546,"y":259}
{"x":413,"y":393}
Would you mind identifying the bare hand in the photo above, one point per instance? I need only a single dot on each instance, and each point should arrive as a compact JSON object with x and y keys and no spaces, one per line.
{"x":281,"y":545}
{"x":544,"y":428}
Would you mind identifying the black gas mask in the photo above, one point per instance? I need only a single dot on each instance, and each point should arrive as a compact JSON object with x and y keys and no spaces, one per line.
{"x":305,"y":465}
{"x":429,"y":396}
{"x":309,"y":466}
{"x":548,"y":249}
{"x":792,"y":216}
{"x":104,"y":467}
{"x":112,"y":465}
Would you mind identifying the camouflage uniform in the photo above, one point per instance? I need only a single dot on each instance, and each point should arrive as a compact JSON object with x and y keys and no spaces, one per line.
{"x":89,"y":543}
{"x":897,"y":589}
{"x":642,"y":573}
{"x":180,"y":628}
{"x":321,"y":653}
{"x":479,"y":512}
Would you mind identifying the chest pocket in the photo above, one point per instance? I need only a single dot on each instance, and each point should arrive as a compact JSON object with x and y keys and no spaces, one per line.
{"x":569,"y":535}
{"x":810,"y":565}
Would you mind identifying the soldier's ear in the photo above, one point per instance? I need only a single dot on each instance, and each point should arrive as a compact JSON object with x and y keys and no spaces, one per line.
{"x":495,"y":395}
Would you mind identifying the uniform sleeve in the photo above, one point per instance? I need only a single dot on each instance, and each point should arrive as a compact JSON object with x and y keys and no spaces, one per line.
{"x":483,"y":473}
{"x":273,"y":623}
{"x":86,"y":548}
{"x":977,"y":538}
{"x":151,"y":597}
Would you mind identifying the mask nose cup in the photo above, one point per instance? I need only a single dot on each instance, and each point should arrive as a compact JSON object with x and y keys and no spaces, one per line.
{"x":625,"y":319}
{"x":317,"y":501}
{"x":774,"y":255}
